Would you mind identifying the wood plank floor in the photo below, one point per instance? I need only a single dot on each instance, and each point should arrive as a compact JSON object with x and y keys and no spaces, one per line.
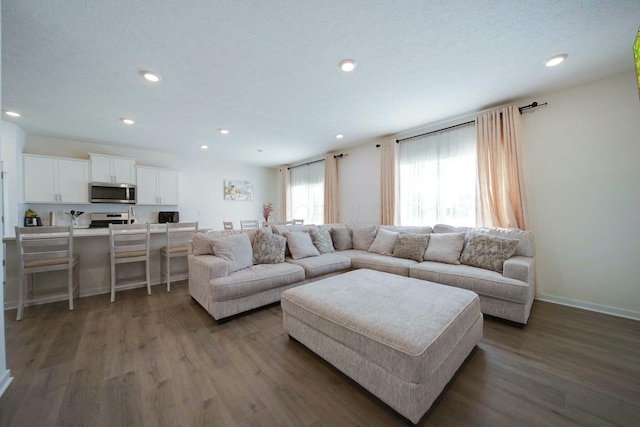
{"x":162,"y":360}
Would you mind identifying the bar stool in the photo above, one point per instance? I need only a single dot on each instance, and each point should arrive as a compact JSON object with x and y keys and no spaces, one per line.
{"x":248,"y":224}
{"x":44,"y":249}
{"x":129,"y":243}
{"x":228,"y":225}
{"x":178,"y":237}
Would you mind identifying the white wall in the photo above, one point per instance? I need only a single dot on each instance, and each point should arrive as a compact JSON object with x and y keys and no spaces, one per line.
{"x":11,"y":153}
{"x":201,"y":181}
{"x":582,"y":181}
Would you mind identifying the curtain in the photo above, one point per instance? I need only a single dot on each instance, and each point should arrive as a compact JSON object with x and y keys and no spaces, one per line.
{"x":330,"y":189}
{"x":388,"y":182}
{"x":437,"y":180}
{"x":285,"y":196}
{"x":306,"y":187}
{"x":499,"y":169}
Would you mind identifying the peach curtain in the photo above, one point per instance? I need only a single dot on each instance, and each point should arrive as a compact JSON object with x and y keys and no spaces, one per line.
{"x":330,"y":189}
{"x":387,"y":182}
{"x":500,"y":197}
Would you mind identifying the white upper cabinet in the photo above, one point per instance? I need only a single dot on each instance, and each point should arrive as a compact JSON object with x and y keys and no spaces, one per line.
{"x":157,"y":186}
{"x":55,"y":180}
{"x":121,"y":170}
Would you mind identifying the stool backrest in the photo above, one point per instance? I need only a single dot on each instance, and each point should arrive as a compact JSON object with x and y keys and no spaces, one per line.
{"x":249,"y":224}
{"x":180,"y":234}
{"x":129,"y":240}
{"x":228,"y":225}
{"x":44,"y":248}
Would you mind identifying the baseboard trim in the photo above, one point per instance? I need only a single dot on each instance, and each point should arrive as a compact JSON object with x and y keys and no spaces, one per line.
{"x":590,"y":306}
{"x":5,"y":380}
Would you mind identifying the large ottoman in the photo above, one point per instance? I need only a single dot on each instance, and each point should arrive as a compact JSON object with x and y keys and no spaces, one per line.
{"x":401,"y":338}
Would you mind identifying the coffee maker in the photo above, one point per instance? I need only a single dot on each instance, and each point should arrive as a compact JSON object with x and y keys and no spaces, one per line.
{"x":33,"y":221}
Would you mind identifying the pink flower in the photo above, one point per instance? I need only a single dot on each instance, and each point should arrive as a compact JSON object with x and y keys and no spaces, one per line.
{"x":267,"y":208}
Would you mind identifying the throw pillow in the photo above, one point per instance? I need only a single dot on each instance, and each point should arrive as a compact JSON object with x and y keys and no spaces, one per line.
{"x":300,"y":245}
{"x":411,"y":246}
{"x":235,"y":249}
{"x":384,"y":242}
{"x":321,"y":238}
{"x":268,"y":248}
{"x":487,"y":251}
{"x":444,"y":247}
{"x":363,"y":236}
{"x":201,"y":244}
{"x":341,"y":238}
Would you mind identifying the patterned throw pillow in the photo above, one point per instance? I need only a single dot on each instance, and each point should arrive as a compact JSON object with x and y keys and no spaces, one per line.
{"x":411,"y":246}
{"x":488,"y":252}
{"x":235,"y":249}
{"x":300,"y":245}
{"x":321,"y":238}
{"x":341,"y":238}
{"x":384,"y":242}
{"x":444,"y":247}
{"x":268,"y":248}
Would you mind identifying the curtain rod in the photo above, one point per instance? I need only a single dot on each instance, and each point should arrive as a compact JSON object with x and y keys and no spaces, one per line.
{"x":520,"y":109}
{"x":337,"y":156}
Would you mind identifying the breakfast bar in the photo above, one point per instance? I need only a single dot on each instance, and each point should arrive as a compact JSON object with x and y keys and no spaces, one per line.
{"x":92,"y":244}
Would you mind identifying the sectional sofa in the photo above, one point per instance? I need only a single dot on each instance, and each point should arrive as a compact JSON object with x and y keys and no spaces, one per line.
{"x":234,"y":271}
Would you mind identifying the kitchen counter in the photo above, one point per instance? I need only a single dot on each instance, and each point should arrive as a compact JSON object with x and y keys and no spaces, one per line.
{"x":97,"y":232}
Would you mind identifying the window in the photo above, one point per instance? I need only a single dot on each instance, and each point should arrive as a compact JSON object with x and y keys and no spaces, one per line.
{"x":437,"y":178}
{"x":306,"y":192}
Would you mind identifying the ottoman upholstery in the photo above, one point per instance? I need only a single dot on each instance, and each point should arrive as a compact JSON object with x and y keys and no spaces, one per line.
{"x":400,"y":338}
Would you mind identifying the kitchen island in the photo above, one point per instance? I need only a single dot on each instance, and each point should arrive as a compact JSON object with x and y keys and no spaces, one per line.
{"x":92,"y":244}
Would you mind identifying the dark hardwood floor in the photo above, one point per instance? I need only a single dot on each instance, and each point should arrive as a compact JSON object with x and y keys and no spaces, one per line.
{"x":162,"y":360}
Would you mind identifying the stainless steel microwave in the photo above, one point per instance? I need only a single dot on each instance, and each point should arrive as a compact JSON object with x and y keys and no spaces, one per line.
{"x":106,"y":192}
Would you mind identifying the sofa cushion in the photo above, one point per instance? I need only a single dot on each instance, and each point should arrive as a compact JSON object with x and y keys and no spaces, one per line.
{"x":256,"y":279}
{"x":268,"y":248}
{"x":388,"y":264}
{"x":322,"y":264}
{"x":526,"y":246}
{"x":341,"y":238}
{"x":300,"y":245}
{"x":363,"y":236}
{"x":408,"y":229}
{"x":478,"y":280}
{"x":445,"y":247}
{"x":411,"y":246}
{"x":384,"y":242}
{"x":235,"y":249}
{"x":487,"y":251}
{"x":201,"y":244}
{"x":321,"y":238}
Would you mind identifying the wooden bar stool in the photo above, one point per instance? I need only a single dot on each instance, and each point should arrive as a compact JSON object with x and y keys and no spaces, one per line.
{"x":248,"y":224}
{"x":129,"y":243}
{"x":45,"y":249}
{"x":178,"y":237}
{"x":228,"y":225}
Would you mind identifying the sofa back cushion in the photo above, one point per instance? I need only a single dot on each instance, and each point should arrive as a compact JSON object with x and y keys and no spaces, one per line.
{"x":235,"y":249}
{"x":408,"y":229}
{"x":526,"y":246}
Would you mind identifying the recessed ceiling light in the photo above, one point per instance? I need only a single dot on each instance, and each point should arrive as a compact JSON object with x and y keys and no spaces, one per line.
{"x":347,"y":65}
{"x":150,"y":76}
{"x":127,"y":121}
{"x":555,"y":60}
{"x":12,"y":113}
{"x":223,"y":131}
{"x":339,"y":136}
{"x":204,"y":147}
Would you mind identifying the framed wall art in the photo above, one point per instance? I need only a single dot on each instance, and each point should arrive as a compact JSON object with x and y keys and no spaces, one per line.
{"x":238,"y":190}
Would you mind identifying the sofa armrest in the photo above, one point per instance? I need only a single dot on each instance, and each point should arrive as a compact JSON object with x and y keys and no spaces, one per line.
{"x":520,"y":268}
{"x":204,"y":268}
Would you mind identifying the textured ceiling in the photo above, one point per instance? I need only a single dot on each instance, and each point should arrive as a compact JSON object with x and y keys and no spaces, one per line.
{"x":268,"y":69}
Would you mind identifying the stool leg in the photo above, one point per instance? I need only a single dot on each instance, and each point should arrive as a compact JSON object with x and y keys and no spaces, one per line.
{"x":113,"y":282}
{"x":70,"y":275}
{"x":169,"y":273}
{"x":20,"y":296}
{"x":148,"y":276}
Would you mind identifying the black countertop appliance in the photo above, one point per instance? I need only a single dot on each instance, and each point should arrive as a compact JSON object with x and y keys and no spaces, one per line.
{"x":168,"y":216}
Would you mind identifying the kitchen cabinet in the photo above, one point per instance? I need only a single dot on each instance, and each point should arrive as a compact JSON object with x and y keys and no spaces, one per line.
{"x":157,"y":186}
{"x":121,"y":170}
{"x":55,"y":180}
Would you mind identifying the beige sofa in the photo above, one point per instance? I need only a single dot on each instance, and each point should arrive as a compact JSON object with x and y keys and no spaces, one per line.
{"x":507,"y":294}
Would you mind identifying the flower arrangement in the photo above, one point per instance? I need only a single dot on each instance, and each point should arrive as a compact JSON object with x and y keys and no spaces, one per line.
{"x":267,"y":208}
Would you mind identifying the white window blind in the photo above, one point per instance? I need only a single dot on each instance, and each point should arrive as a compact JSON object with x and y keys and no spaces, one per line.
{"x":306,"y":186}
{"x":437,"y":179}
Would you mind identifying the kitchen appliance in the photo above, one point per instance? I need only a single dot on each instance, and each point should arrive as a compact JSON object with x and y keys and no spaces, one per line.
{"x":168,"y":216}
{"x":33,"y":221}
{"x":102,"y":220}
{"x":105,"y":192}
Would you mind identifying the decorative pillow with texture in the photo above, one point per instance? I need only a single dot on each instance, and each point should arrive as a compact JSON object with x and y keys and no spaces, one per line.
{"x":384,"y":242}
{"x":444,"y":247}
{"x":487,"y":251}
{"x":201,"y":244}
{"x":363,"y":236}
{"x":235,"y":249}
{"x":321,"y":238}
{"x":411,"y":246}
{"x":341,"y":238}
{"x":268,"y":248}
{"x":300,"y":245}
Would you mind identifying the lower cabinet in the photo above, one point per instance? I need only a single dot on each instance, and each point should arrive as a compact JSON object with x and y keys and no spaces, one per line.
{"x":157,"y":186}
